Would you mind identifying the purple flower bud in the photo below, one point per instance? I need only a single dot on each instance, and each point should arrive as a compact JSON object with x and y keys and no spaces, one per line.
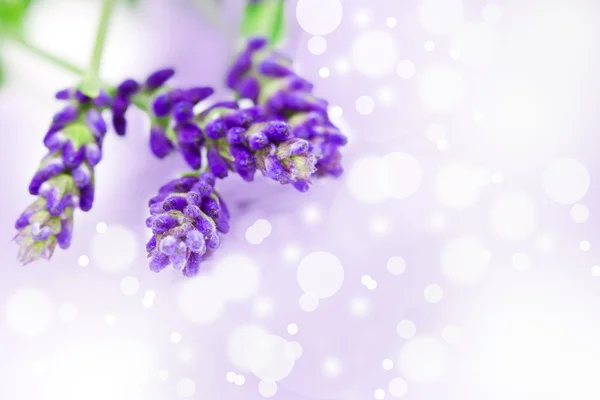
{"x":193,"y":198}
{"x":193,"y":265}
{"x":215,"y":129}
{"x":273,"y":69}
{"x":39,"y":232}
{"x":102,"y":100}
{"x":224,"y":208}
{"x":213,"y":240}
{"x":241,"y":65}
{"x":86,"y":197}
{"x":72,"y":157}
{"x":242,"y":119}
{"x":128,"y":88}
{"x":160,"y":145}
{"x":183,"y":111}
{"x":206,"y":227}
{"x":210,"y":207}
{"x":197,"y":94}
{"x":202,"y":189}
{"x":174,"y":203}
{"x":163,"y":223}
{"x":222,"y":224}
{"x":192,"y":211}
{"x":82,"y":175}
{"x":301,"y":186}
{"x":119,"y":124}
{"x":189,"y":133}
{"x":151,"y":245}
{"x":248,"y":88}
{"x":81,"y":97}
{"x":208,"y":178}
{"x":195,"y":242}
{"x":161,"y":106}
{"x":257,"y":141}
{"x":93,"y":154}
{"x":256,"y":43}
{"x":149,"y":221}
{"x":64,"y":94}
{"x":159,"y":262}
{"x":156,"y":208}
{"x":159,"y":78}
{"x":168,"y":245}
{"x":192,"y":155}
{"x":236,"y":135}
{"x":179,"y":257}
{"x":66,"y":115}
{"x":95,"y":122}
{"x":54,"y":139}
{"x":242,"y":156}
{"x":179,"y":185}
{"x":277,"y":131}
{"x":216,"y":163}
{"x":53,"y":168}
{"x":66,"y":232}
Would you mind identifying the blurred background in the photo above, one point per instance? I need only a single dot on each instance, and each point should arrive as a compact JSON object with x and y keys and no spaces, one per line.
{"x":456,"y":257}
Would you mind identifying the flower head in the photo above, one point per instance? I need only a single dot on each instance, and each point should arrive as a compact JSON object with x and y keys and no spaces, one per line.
{"x":267,"y":78}
{"x":185,"y":217}
{"x":65,"y":178}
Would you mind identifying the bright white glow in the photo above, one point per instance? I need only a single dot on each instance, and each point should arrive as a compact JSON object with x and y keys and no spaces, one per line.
{"x":429,"y":46}
{"x":317,"y":45}
{"x":293,"y":350}
{"x":442,"y":145}
{"x":457,"y":185}
{"x":332,"y":367}
{"x":319,"y":17}
{"x":320,"y":273}
{"x":175,"y":337}
{"x":230,"y":377}
{"x":342,"y":65}
{"x":292,"y":329}
{"x":475,"y":44}
{"x":398,"y":387}
{"x":110,"y":320}
{"x":406,"y":329}
{"x":423,"y":359}
{"x":433,"y":293}
{"x":186,"y":387}
{"x":99,"y":366}
{"x":308,"y":302}
{"x":83,"y":261}
{"x":360,"y":306}
{"x":311,"y":214}
{"x":101,"y":227}
{"x":441,"y":88}
{"x":68,"y":312}
{"x":262,"y":307}
{"x":267,"y":388}
{"x":29,"y":312}
{"x":268,"y":358}
{"x":464,"y":260}
{"x":451,"y":334}
{"x":491,"y":13}
{"x":237,"y":277}
{"x":375,"y":54}
{"x":379,"y":394}
{"x":579,"y":213}
{"x":584,"y":245}
{"x":390,"y":22}
{"x":441,"y":16}
{"x":201,"y":291}
{"x":436,"y":132}
{"x":360,"y":181}
{"x":521,"y":262}
{"x":163,"y":375}
{"x":324,"y":72}
{"x":148,"y":299}
{"x":115,"y":250}
{"x":401,"y":175}
{"x":365,"y":105}
{"x":259,"y":231}
{"x":335,"y":112}
{"x":513,"y":216}
{"x":387,"y":364}
{"x":129,"y":285}
{"x":240,"y":344}
{"x":291,"y":252}
{"x":239,"y":380}
{"x":566,"y":181}
{"x":406,"y":69}
{"x":362,"y":18}
{"x":595,"y":271}
{"x":386,"y":96}
{"x":396,"y":265}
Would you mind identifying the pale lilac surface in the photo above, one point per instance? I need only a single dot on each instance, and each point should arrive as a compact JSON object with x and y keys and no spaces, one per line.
{"x":527,"y":333}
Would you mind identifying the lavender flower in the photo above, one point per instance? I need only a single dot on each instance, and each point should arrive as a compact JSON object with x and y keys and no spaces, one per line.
{"x":65,"y":178}
{"x":186,"y":216}
{"x":267,"y":78}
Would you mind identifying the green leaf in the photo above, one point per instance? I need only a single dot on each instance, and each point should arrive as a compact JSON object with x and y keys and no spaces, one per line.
{"x":12,"y":12}
{"x":264,"y":18}
{"x":2,"y":76}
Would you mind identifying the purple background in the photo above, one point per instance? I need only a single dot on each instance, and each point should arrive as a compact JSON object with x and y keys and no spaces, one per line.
{"x":526,"y":333}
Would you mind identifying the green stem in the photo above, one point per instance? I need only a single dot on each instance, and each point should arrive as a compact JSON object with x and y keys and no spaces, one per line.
{"x":51,"y":58}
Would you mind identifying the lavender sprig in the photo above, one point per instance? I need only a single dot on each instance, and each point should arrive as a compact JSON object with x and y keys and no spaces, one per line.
{"x":65,"y":179}
{"x":267,"y":78}
{"x":186,"y":216}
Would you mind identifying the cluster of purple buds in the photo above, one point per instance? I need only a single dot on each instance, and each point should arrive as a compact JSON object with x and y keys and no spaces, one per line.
{"x":268,"y":79}
{"x":186,"y":217}
{"x":65,"y":178}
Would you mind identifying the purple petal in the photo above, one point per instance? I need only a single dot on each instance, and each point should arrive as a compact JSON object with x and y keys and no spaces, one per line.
{"x":195,"y":242}
{"x":192,"y":154}
{"x":163,"y":223}
{"x":160,"y":145}
{"x":174,"y":203}
{"x":102,"y":100}
{"x":210,"y":207}
{"x":82,"y":175}
{"x":66,"y":115}
{"x":248,"y":88}
{"x":257,"y":141}
{"x":301,"y":186}
{"x":120,"y":124}
{"x":66,"y":233}
{"x":183,"y":111}
{"x":151,"y":245}
{"x":86,"y":197}
{"x":216,"y":163}
{"x":236,"y":135}
{"x":189,"y":133}
{"x":192,"y":211}
{"x":273,"y":69}
{"x":197,"y":94}
{"x":159,"y":78}
{"x":277,"y":131}
{"x":93,"y":153}
{"x":161,"y":106}
{"x":216,"y":129}
{"x":193,"y":265}
{"x":128,"y":88}
{"x":168,"y":245}
{"x":53,"y":168}
{"x":159,"y":262}
{"x":71,"y":157}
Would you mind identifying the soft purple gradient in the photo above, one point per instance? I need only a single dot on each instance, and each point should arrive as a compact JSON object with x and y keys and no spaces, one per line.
{"x":557,"y":290}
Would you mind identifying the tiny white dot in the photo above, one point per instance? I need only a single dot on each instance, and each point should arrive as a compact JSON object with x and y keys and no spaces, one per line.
{"x":83,"y":261}
{"x":175,"y":337}
{"x":596,"y":270}
{"x":311,"y":214}
{"x":317,"y":45}
{"x":362,"y":18}
{"x":292,"y":329}
{"x":290,"y":252}
{"x":230,"y":376}
{"x":433,"y":293}
{"x":324,"y":72}
{"x":387,"y":364}
{"x":406,"y":329}
{"x":390,"y":22}
{"x":365,"y":105}
{"x":335,"y":112}
{"x":442,"y":145}
{"x":101,"y":227}
{"x":239,"y":380}
{"x":584,"y":245}
{"x":429,"y":45}
{"x":366,"y":279}
{"x":342,"y":65}
{"x":379,"y":394}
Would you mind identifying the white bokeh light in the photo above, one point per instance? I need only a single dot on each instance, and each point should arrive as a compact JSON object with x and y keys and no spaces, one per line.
{"x":129,"y":285}
{"x":317,"y":45}
{"x":268,"y":358}
{"x":374,"y":54}
{"x":406,"y":69}
{"x":391,"y":22}
{"x":319,"y":17}
{"x":433,"y":293}
{"x":400,"y":176}
{"x":513,"y":216}
{"x":292,"y":329}
{"x":475,"y":44}
{"x":29,"y":312}
{"x":115,"y":250}
{"x":457,"y":185}
{"x":423,"y":359}
{"x":68,"y":312}
{"x":360,"y":306}
{"x":267,"y":388}
{"x":584,"y":245}
{"x":240,"y":344}
{"x":566,"y":181}
{"x":320,"y":273}
{"x":101,"y":227}
{"x":186,"y":387}
{"x":162,"y":375}
{"x":237,"y":277}
{"x":396,"y":265}
{"x":148,"y":299}
{"x":332,"y":367}
{"x":379,"y":394}
{"x":429,"y":45}
{"x":579,"y":213}
{"x":293,"y":350}
{"x":406,"y":329}
{"x":335,"y":112}
{"x":239,"y":380}
{"x":308,"y":302}
{"x":175,"y":337}
{"x":259,"y":231}
{"x":324,"y":72}
{"x":441,"y":16}
{"x":595,"y":271}
{"x":83,"y":261}
{"x":365,"y":105}
{"x":387,"y":364}
{"x":464,"y":260}
{"x":398,"y":387}
{"x":452,"y":334}
{"x":521,"y":262}
{"x":441,"y":88}
{"x":491,"y":13}
{"x":200,"y":300}
{"x":436,"y":132}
